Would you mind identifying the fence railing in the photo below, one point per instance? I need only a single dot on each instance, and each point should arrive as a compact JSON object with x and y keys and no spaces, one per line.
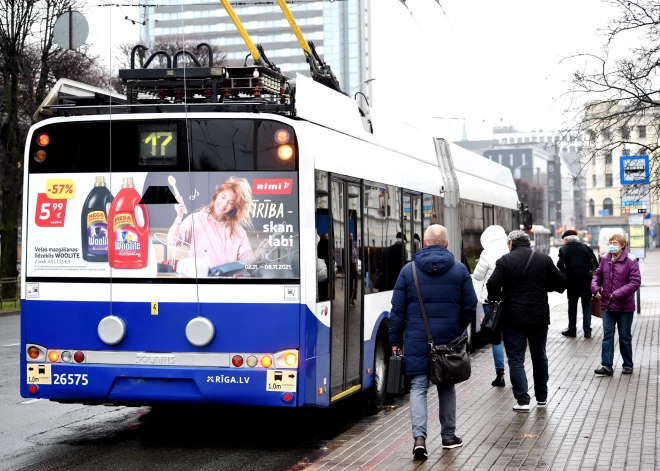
{"x":10,"y":294}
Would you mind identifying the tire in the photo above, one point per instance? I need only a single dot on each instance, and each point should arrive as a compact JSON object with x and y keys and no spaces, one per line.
{"x":377,"y":394}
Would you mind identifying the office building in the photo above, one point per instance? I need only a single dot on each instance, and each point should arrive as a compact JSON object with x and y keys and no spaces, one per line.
{"x":339,"y":30}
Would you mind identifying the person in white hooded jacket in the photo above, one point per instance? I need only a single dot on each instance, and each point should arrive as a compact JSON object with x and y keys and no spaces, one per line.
{"x":495,"y":244}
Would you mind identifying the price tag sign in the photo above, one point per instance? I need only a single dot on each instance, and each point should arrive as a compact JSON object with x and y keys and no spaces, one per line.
{"x":50,"y":212}
{"x":61,"y":188}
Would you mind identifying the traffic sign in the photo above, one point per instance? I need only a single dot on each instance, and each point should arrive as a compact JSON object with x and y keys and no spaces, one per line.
{"x":635,"y":170}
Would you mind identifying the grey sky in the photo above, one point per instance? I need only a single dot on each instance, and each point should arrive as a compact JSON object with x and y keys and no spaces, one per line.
{"x":493,"y":62}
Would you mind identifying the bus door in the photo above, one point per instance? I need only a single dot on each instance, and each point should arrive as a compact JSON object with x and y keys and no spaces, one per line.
{"x":346,"y":291}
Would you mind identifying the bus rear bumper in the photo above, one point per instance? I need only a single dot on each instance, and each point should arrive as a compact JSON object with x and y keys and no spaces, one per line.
{"x":138,"y":385}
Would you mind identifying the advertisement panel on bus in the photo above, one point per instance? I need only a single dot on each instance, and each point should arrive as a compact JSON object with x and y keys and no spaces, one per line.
{"x":212,"y":225}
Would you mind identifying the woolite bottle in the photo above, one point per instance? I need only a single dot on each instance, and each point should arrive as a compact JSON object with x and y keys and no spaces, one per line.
{"x":94,"y":223}
{"x":129,"y":235}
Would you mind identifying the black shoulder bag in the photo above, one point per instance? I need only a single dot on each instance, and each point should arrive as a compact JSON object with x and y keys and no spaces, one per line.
{"x":448,"y":364}
{"x":491,"y":325}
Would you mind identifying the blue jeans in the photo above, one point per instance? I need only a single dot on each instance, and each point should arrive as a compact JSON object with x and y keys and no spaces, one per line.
{"x":624,"y":321}
{"x":419,"y":412}
{"x":586,"y":313}
{"x":498,"y":350}
{"x":515,"y":342}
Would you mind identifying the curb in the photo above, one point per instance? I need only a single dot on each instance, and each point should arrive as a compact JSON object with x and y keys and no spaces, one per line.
{"x":10,"y":313}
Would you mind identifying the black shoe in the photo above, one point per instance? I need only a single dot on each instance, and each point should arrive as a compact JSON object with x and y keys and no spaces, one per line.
{"x":568,"y":333}
{"x":419,"y":449}
{"x":450,"y":443}
{"x":604,"y":371}
{"x":499,"y":380}
{"x":627,"y":370}
{"x":587,"y":334}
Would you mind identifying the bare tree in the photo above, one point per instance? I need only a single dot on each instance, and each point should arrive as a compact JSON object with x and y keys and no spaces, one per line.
{"x":47,"y":13}
{"x":615,"y":99}
{"x":17,"y":19}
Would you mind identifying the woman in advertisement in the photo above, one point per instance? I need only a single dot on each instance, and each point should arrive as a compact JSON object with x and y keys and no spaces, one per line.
{"x":219,"y":229}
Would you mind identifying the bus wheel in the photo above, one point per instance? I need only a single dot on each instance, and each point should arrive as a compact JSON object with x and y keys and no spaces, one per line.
{"x":378,"y":391}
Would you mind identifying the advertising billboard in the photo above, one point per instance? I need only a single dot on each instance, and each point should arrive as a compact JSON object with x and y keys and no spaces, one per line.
{"x":176,"y":225}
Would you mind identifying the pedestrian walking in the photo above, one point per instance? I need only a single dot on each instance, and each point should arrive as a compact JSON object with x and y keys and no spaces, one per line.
{"x":494,"y":242}
{"x":522,"y":280}
{"x":615,"y":282}
{"x":450,"y":302}
{"x":577,"y":263}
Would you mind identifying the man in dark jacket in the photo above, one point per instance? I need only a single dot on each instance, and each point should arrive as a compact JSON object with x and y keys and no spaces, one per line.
{"x":576,"y":262}
{"x":450,"y":302}
{"x":525,"y":313}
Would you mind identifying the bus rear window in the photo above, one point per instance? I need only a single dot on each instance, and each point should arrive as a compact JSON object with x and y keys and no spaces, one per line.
{"x":173,"y":145}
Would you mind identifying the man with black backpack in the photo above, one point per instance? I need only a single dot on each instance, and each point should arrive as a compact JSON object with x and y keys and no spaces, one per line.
{"x":577,"y":262}
{"x":521,"y":281}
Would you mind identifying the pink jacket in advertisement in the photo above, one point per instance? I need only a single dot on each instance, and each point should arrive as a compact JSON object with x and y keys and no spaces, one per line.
{"x":619,"y":280}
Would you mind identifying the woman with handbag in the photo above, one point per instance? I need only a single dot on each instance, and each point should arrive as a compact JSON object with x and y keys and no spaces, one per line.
{"x":615,"y":282}
{"x":433,"y":302}
{"x":495,"y":244}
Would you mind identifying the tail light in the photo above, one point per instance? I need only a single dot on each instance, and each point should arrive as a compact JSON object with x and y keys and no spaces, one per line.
{"x":43,"y":140}
{"x":40,"y":155}
{"x":67,"y":357}
{"x":34,"y":353}
{"x":266,"y":361}
{"x":53,"y":356}
{"x":287,"y":397}
{"x":79,"y":357}
{"x":252,"y":361}
{"x":237,"y":361}
{"x":34,"y":389}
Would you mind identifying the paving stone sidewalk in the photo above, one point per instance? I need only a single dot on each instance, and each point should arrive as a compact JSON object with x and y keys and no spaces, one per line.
{"x":591,"y":423}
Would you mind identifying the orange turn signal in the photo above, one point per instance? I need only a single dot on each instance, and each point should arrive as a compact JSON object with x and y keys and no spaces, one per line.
{"x":266,"y":362}
{"x":285,"y":152}
{"x":53,"y":356}
{"x":33,"y":352}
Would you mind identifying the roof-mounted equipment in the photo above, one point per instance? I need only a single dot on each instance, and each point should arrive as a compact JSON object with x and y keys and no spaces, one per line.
{"x":320,"y":71}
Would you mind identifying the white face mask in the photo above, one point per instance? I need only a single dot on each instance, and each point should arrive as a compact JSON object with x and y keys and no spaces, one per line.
{"x":318,"y":239}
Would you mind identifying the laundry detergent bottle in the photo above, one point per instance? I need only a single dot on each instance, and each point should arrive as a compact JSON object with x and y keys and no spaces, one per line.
{"x":94,"y":223}
{"x":129,"y":232}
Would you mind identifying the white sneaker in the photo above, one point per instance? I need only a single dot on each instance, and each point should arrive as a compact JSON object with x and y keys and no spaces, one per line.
{"x":541,"y":403}
{"x":521,"y":407}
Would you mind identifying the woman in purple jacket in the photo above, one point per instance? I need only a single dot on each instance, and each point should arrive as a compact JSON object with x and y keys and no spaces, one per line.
{"x":615,"y":282}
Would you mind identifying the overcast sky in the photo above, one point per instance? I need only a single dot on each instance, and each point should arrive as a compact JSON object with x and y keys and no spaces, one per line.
{"x":492,"y":62}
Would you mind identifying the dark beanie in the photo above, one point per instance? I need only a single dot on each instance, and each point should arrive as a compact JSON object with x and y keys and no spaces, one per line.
{"x":569,"y":233}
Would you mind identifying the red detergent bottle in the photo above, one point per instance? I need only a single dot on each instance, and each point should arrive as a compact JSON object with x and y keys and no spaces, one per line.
{"x":128,"y":246}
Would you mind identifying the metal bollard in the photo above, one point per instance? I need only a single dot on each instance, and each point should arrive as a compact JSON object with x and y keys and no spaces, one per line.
{"x":639,"y":297}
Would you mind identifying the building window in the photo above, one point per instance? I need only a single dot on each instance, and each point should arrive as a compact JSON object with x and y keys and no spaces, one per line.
{"x":608,"y":157}
{"x":504,"y":140}
{"x":625,"y":132}
{"x":608,"y":207}
{"x":527,"y":139}
{"x":592,"y":207}
{"x":608,"y":179}
{"x":641,"y":132}
{"x":551,"y":167}
{"x":594,"y":181}
{"x":511,"y":160}
{"x":625,"y":151}
{"x":524,"y":159}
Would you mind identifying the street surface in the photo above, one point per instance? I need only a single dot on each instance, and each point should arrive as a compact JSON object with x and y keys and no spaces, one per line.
{"x":43,"y":435}
{"x":40,"y":435}
{"x":591,"y":423}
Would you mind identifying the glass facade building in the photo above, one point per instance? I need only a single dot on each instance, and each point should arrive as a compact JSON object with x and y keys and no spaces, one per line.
{"x":340,"y":31}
